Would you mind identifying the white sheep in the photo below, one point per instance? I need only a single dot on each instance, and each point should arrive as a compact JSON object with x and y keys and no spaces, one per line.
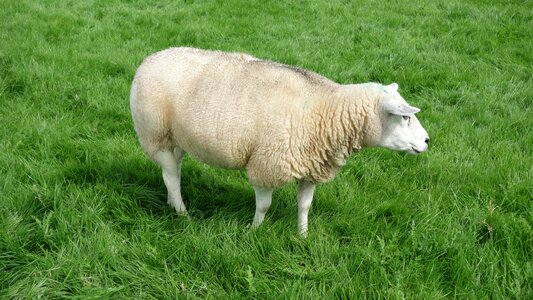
{"x":279,"y":123}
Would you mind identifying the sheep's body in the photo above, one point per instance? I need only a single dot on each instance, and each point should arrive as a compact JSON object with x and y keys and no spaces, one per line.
{"x":278,"y":122}
{"x":235,"y":111}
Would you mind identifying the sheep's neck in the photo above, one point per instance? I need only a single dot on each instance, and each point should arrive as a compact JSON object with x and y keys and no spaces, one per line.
{"x":340,"y":123}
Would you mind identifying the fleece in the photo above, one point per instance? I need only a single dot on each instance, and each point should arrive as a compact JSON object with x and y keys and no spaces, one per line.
{"x":280,"y":123}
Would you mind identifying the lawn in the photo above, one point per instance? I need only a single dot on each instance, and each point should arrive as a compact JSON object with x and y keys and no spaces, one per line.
{"x":83,"y":211}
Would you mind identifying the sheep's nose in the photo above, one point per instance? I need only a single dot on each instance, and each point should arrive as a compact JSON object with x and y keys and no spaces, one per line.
{"x":427,"y":140}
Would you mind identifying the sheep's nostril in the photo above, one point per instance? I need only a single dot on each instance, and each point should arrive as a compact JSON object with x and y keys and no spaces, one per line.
{"x":427,"y":140}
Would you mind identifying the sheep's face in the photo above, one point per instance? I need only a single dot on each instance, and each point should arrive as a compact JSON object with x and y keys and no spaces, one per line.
{"x":400,"y":129}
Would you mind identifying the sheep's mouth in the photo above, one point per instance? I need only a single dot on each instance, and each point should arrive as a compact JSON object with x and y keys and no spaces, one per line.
{"x":414,"y":151}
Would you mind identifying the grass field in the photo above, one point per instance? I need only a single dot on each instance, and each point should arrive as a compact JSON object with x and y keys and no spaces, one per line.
{"x":83,"y":211}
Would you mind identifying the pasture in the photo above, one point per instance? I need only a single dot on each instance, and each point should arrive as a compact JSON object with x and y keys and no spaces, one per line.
{"x":83,"y":211}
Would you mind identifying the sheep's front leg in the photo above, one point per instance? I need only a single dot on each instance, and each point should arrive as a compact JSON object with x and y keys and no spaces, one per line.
{"x":305,"y":198}
{"x":263,"y":199}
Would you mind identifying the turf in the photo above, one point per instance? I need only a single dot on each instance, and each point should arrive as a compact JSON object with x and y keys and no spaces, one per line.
{"x":83,"y":212}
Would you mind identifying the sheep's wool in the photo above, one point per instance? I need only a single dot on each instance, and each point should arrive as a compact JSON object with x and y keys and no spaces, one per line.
{"x":232,"y":110}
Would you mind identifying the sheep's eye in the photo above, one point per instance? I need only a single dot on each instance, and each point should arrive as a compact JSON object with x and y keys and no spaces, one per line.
{"x":406,"y":117}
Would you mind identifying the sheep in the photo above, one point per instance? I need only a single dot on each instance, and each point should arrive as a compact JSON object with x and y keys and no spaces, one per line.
{"x":278,"y":122}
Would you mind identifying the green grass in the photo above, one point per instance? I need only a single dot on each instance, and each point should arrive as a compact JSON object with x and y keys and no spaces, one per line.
{"x":83,"y":212}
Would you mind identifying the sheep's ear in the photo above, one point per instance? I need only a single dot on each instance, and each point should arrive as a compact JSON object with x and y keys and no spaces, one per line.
{"x":391,"y":88}
{"x":400,"y":109}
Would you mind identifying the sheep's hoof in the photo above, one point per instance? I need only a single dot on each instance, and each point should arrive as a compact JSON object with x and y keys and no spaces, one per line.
{"x":253,"y":225}
{"x":182,"y":213}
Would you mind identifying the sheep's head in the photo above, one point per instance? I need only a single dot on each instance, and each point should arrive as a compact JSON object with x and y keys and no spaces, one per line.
{"x":400,"y":129}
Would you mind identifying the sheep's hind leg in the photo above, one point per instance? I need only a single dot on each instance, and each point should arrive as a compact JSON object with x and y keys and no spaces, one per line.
{"x":263,"y":199}
{"x":305,"y":198}
{"x":170,"y":162}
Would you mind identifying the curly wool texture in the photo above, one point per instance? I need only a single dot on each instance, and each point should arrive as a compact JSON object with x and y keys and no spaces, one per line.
{"x":232,"y":110}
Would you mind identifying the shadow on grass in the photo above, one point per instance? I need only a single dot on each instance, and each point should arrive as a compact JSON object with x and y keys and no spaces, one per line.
{"x":206,"y":191}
